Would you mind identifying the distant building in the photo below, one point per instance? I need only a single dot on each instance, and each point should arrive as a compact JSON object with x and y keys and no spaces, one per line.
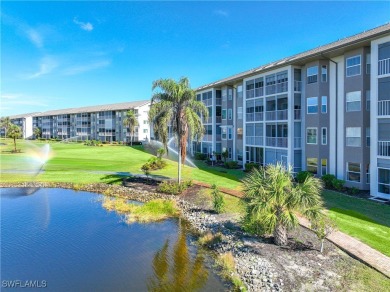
{"x":101,"y":122}
{"x":25,"y":122}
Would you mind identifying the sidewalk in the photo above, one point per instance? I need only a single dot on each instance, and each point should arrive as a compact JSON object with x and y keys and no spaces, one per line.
{"x":357,"y":249}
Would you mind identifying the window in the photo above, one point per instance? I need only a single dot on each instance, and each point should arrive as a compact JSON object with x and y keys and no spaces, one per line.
{"x":239,"y":113}
{"x":368,"y":100}
{"x":230,"y":153}
{"x":353,"y":66}
{"x":224,"y":114}
{"x":353,"y":101}
{"x":223,"y":133}
{"x":324,"y":74}
{"x":145,"y":131}
{"x":368,"y":174}
{"x":145,"y":122}
{"x":224,"y":94}
{"x":353,"y":171}
{"x":368,"y":137}
{"x":384,"y":181}
{"x":368,"y":64}
{"x":230,"y":93}
{"x":311,"y":165}
{"x":230,"y":133}
{"x":324,"y":104}
{"x":239,"y":133}
{"x":312,"y":105}
{"x":311,"y":135}
{"x":230,"y":114}
{"x":239,"y":91}
{"x":353,"y":136}
{"x":312,"y":73}
{"x":324,"y":133}
{"x":324,"y":166}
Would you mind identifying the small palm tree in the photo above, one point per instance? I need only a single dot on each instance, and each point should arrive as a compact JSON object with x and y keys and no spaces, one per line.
{"x":176,"y":105}
{"x":131,"y":122}
{"x":14,"y":132}
{"x":37,"y":132}
{"x":5,"y":123}
{"x":274,"y":199}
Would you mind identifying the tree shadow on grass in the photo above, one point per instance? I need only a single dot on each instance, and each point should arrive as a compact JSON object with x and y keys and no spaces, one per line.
{"x":112,"y":179}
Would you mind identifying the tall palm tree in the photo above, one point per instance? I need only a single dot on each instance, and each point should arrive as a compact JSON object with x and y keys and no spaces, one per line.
{"x":5,"y":123}
{"x":14,"y":132}
{"x":175,"y":105}
{"x":274,"y":199}
{"x":131,"y":122}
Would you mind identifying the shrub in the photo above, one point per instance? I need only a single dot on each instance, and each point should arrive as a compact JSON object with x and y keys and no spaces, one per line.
{"x":302,"y":175}
{"x":353,"y":191}
{"x":328,"y":180}
{"x":338,"y":184}
{"x":156,"y":163}
{"x":160,"y":153}
{"x":218,"y":200}
{"x":231,"y":164}
{"x":251,"y":165}
{"x":210,"y":239}
{"x":146,"y":169}
{"x":200,"y":156}
{"x":173,"y":187}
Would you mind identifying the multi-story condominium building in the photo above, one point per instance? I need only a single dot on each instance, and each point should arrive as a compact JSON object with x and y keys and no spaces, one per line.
{"x":25,"y":122}
{"x":101,"y":122}
{"x":326,"y":110}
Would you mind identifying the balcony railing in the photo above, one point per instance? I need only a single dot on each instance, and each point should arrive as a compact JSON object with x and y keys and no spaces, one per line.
{"x":282,"y":114}
{"x":250,"y":93}
{"x":297,"y":85}
{"x":270,"y":115}
{"x":218,"y":120}
{"x":259,"y":116}
{"x":384,"y":148}
{"x":270,"y":89}
{"x":218,"y":101}
{"x":207,"y":121}
{"x":277,"y":141}
{"x":384,"y":108}
{"x":384,"y":66}
{"x":254,"y":140}
{"x":297,"y":142}
{"x":208,"y":102}
{"x":282,"y":87}
{"x":297,"y":114}
{"x":207,"y":138}
{"x":259,"y":91}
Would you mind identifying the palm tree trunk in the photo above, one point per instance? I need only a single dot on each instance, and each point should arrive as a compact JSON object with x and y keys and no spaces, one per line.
{"x":179,"y":165}
{"x":15,"y":144}
{"x":280,"y":235}
{"x":322,"y":245}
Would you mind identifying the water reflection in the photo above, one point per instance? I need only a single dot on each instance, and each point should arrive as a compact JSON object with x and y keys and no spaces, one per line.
{"x":177,"y":270}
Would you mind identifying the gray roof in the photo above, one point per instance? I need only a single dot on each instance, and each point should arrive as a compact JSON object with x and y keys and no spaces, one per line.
{"x":95,"y":108}
{"x":307,"y":55}
{"x":23,"y":115}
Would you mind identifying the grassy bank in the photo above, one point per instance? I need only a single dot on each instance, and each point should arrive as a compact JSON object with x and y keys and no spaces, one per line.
{"x":155,"y":210}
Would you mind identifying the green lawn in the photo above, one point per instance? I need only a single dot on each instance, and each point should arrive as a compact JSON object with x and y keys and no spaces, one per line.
{"x":85,"y":164}
{"x":365,"y":220}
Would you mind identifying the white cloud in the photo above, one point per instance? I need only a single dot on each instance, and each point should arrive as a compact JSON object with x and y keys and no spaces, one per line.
{"x":12,"y":100}
{"x":34,"y":36}
{"x":46,"y":66}
{"x":86,"y":67}
{"x":83,"y":25}
{"x":220,"y":12}
{"x":10,"y":96}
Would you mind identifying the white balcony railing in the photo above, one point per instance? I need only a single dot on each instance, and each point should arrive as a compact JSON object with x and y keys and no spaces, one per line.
{"x":282,"y":114}
{"x":259,"y":91}
{"x":282,"y":87}
{"x":218,"y":101}
{"x":277,"y":141}
{"x":250,"y":93}
{"x":384,"y":148}
{"x":384,"y":66}
{"x":254,"y":140}
{"x":259,"y":116}
{"x":297,"y":85}
{"x":207,"y":138}
{"x":270,"y":89}
{"x":208,"y":102}
{"x":297,"y":142}
{"x":218,"y":120}
{"x":384,"y":108}
{"x":270,"y":115}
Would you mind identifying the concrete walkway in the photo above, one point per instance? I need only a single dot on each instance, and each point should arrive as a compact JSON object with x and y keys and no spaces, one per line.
{"x":357,"y":249}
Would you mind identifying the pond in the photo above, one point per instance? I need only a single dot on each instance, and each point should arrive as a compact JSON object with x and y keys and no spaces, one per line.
{"x":67,"y":241}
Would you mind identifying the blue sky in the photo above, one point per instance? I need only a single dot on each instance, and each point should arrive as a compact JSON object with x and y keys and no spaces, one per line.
{"x":70,"y":54}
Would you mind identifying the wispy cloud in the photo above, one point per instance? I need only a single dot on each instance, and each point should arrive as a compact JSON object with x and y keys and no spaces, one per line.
{"x":46,"y":66}
{"x":221,"y":12}
{"x":83,"y":25}
{"x":34,"y":36}
{"x":86,"y":67}
{"x":12,"y":100}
